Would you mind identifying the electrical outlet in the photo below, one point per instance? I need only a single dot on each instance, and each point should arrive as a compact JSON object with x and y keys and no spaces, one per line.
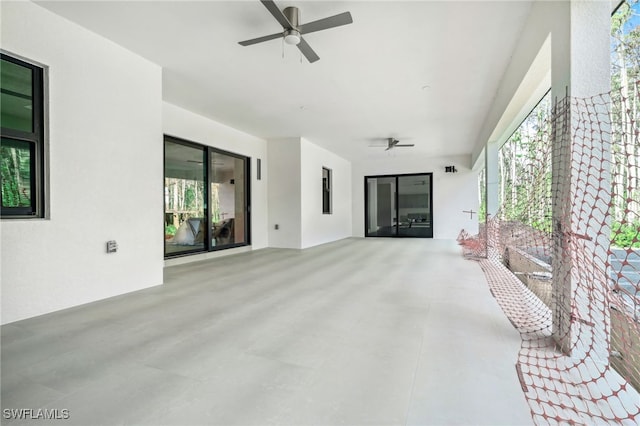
{"x":112,"y":246}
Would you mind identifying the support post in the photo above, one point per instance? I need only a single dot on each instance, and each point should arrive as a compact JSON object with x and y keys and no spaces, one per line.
{"x":580,"y":69}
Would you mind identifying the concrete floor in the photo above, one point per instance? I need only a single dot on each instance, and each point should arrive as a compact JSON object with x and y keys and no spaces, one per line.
{"x":360,"y":331}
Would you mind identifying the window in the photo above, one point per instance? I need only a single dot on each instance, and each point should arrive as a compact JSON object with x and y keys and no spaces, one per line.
{"x":206,"y":198}
{"x":22,"y":138}
{"x":524,"y":170}
{"x":326,"y":190}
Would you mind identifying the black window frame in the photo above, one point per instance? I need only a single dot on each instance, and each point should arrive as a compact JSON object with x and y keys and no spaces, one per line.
{"x":36,"y":141}
{"x":396,"y":178}
{"x":327,"y":191}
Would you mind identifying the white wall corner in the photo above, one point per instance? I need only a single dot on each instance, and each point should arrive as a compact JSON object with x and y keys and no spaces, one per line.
{"x":284,"y":193}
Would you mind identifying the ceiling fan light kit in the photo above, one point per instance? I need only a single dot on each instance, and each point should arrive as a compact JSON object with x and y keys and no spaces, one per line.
{"x":292,"y":37}
{"x":289,"y":18}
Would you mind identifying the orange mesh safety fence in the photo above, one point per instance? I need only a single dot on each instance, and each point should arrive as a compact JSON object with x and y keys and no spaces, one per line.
{"x":562,"y":258}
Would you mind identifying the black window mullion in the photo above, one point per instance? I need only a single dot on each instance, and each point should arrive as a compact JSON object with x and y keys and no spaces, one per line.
{"x":38,"y":130}
{"x":247,"y":199}
{"x":397,"y":207}
{"x":34,"y":178}
{"x":18,"y":135}
{"x":206,"y":152}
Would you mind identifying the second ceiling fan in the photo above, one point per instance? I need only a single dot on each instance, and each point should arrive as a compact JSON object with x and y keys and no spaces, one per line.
{"x":289,"y":18}
{"x":394,"y":143}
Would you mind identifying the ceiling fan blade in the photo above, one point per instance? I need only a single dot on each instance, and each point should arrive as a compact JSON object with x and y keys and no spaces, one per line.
{"x":326,"y":23}
{"x":277,"y":13}
{"x":405,"y":144}
{"x":307,"y":51}
{"x":260,"y":39}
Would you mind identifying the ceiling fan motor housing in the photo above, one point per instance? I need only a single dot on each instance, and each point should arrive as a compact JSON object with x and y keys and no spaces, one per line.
{"x":292,"y":35}
{"x":293,"y":16}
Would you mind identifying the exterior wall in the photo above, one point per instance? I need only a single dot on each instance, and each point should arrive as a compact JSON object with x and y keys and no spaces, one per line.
{"x":319,"y":228}
{"x":284,"y":193}
{"x":452,"y":192}
{"x":184,"y":124}
{"x":105,"y":142}
{"x":295,"y":195}
{"x":533,"y":272}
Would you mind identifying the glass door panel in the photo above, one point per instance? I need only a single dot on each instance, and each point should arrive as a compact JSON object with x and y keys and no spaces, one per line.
{"x":228,"y":200}
{"x":184,"y":199}
{"x":381,"y":207}
{"x":414,"y":206}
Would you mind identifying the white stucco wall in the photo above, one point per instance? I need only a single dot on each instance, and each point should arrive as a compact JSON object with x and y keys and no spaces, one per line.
{"x":452,"y":192}
{"x":105,"y":113}
{"x":319,"y":228}
{"x":284,"y":193}
{"x":548,"y":20}
{"x":179,"y":122}
{"x":295,"y":194}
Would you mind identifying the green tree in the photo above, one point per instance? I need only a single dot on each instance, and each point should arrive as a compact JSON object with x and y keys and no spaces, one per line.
{"x":625,"y":146}
{"x":525,"y":171}
{"x":15,"y":173}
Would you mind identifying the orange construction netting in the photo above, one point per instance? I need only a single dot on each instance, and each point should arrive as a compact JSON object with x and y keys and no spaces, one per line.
{"x":562,"y":257}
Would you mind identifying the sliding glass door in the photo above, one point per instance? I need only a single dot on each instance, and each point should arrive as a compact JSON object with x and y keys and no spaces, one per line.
{"x":206,"y":198}
{"x":399,"y":206}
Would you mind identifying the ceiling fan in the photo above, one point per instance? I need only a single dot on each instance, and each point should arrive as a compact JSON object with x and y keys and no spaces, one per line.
{"x":394,"y":143}
{"x":289,"y":18}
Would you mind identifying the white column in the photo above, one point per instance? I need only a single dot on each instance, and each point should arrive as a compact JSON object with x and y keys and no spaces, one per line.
{"x":580,"y":68}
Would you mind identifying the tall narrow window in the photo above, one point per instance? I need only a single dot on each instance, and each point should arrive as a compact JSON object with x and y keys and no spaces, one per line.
{"x":22,"y":139}
{"x":326,"y":190}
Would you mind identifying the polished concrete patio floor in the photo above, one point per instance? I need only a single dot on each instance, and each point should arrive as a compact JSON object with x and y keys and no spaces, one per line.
{"x":360,"y":331}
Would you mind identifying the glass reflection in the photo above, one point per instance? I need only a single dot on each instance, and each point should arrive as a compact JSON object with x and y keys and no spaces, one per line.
{"x":227,"y":199}
{"x":184,"y":199}
{"x":381,"y":217}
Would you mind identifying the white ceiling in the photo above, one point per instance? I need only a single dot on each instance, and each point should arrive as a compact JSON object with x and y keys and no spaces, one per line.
{"x":424,"y":72}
